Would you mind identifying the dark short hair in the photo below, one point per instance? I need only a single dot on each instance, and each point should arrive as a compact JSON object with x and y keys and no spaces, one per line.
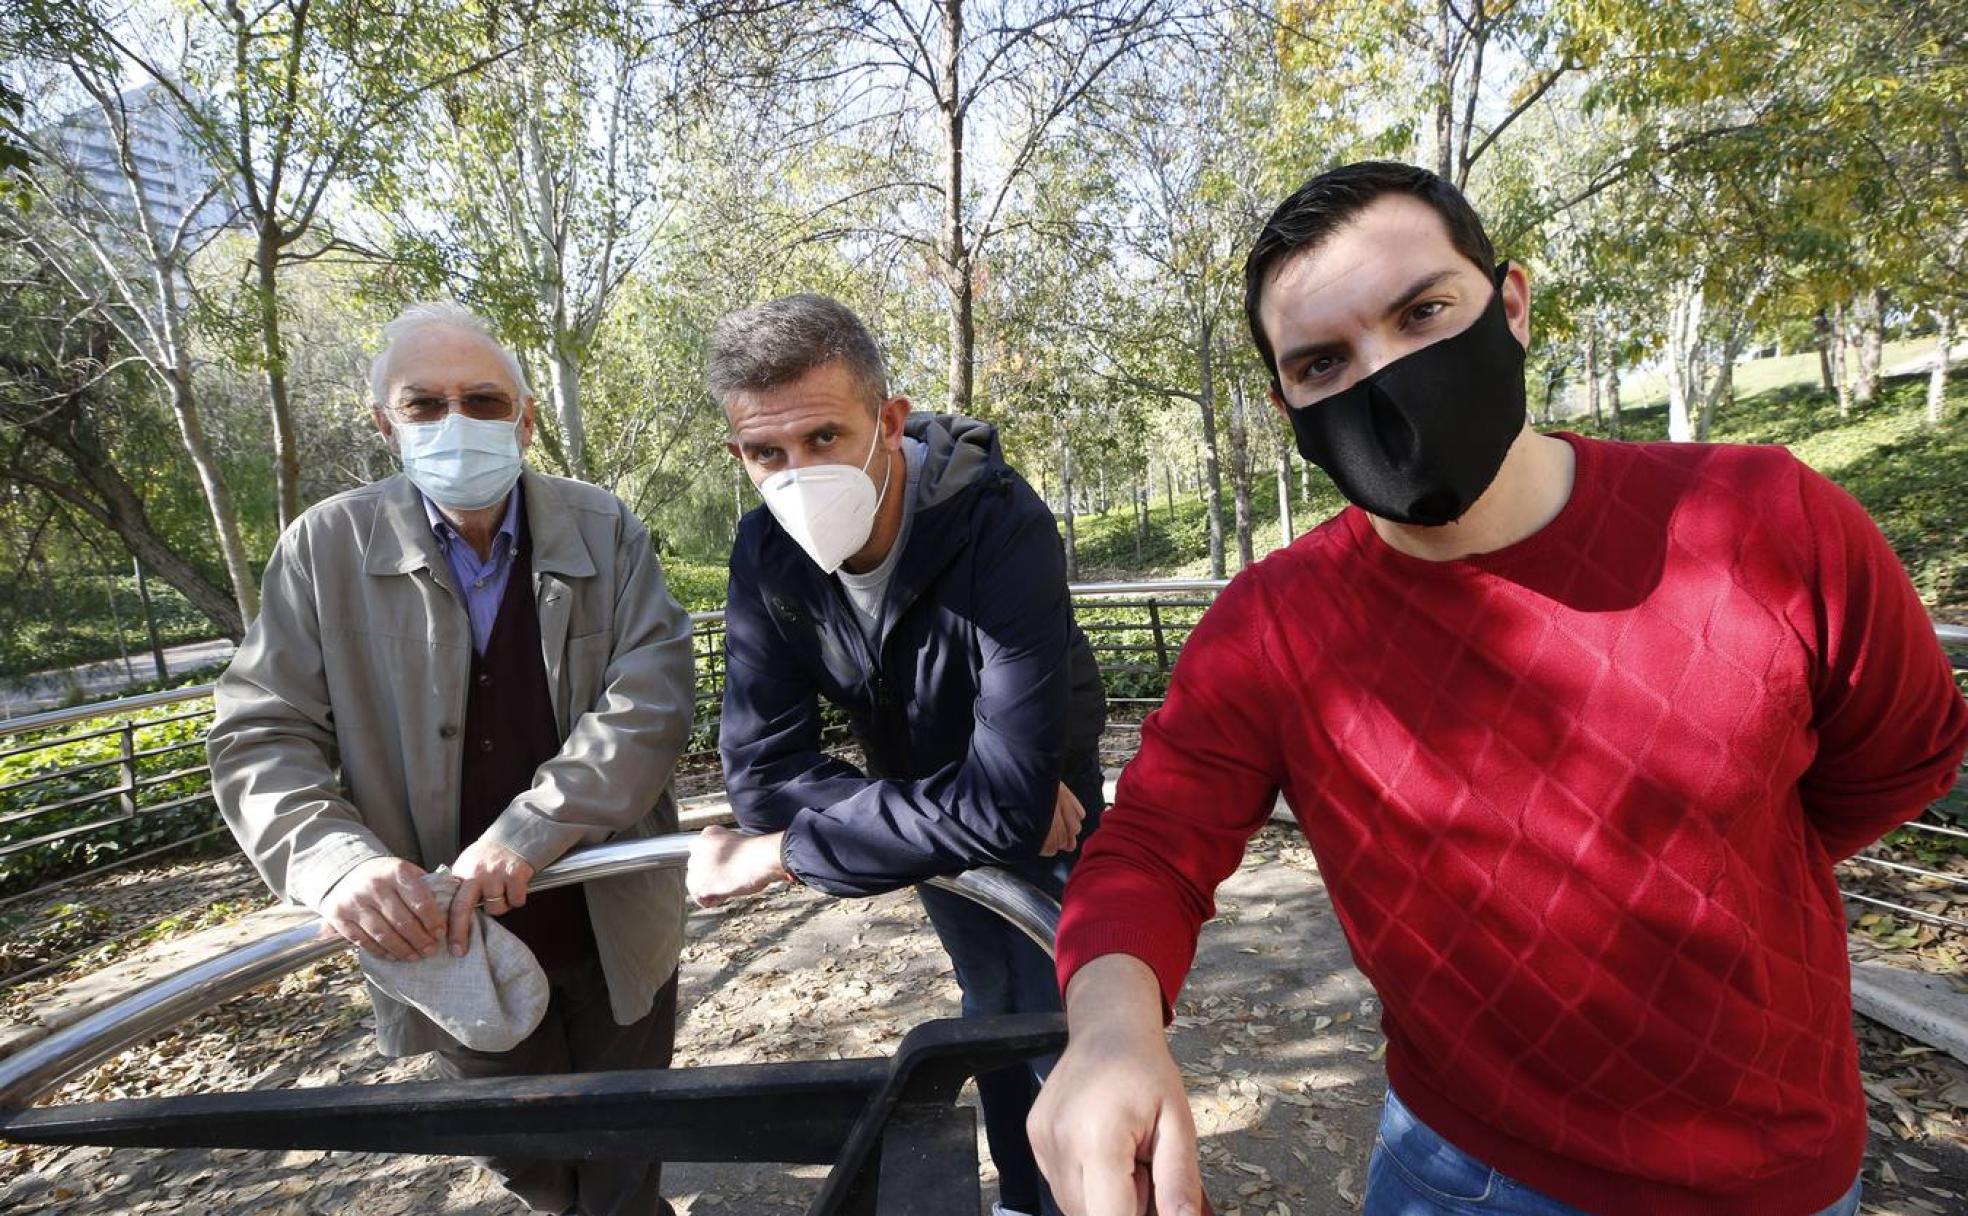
{"x":781,"y":340}
{"x":1321,"y":206}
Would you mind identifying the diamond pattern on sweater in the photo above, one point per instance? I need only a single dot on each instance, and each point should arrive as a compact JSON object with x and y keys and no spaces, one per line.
{"x":1555,"y":796}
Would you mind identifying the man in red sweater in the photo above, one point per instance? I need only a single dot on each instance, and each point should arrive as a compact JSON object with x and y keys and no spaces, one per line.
{"x":1576,"y":731}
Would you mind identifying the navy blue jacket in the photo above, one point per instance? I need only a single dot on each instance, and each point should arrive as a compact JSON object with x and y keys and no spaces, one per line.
{"x":982,"y":698}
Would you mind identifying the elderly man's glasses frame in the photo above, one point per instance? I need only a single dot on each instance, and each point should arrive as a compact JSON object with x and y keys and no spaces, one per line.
{"x":429,"y":407}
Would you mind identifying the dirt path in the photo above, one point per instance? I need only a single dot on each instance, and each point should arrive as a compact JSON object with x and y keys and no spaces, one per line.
{"x":1276,"y":1032}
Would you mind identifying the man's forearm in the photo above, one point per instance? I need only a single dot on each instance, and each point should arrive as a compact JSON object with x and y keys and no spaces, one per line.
{"x":1114,"y":994}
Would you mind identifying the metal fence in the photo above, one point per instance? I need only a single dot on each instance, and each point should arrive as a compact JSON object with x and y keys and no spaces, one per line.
{"x":146,"y":761}
{"x":152,"y":760}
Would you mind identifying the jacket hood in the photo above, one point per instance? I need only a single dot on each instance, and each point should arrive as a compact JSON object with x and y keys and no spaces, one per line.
{"x":960,"y":453}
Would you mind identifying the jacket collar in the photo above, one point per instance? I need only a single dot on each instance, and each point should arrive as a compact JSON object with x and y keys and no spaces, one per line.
{"x":401,"y":540}
{"x":557,"y":544}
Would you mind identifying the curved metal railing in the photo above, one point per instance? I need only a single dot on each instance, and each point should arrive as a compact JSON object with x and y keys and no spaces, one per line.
{"x":38,"y":1068}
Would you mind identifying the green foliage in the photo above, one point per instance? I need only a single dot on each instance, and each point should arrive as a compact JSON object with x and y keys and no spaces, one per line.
{"x":1908,"y":476}
{"x":65,"y":618}
{"x":697,"y":585}
{"x":173,"y":736}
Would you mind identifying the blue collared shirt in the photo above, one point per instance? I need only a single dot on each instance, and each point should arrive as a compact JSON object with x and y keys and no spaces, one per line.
{"x":481,"y":582}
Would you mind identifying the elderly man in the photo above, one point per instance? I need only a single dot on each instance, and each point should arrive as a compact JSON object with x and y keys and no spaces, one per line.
{"x":904,"y":573}
{"x":478,"y":665}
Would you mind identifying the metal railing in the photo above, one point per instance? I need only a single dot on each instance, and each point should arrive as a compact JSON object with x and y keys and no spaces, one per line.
{"x":1136,"y":630}
{"x":1131,"y":639}
{"x":34,"y":1070}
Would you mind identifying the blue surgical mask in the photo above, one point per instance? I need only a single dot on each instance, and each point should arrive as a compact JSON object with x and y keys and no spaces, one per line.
{"x":462,"y":463}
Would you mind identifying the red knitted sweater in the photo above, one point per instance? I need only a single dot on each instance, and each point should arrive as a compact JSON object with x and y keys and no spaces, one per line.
{"x":1576,"y":804}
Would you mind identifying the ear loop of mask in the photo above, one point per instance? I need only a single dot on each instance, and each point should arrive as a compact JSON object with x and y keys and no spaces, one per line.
{"x":888,"y":467}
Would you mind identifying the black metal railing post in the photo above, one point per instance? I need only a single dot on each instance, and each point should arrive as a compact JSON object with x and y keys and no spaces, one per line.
{"x":1161,"y":639}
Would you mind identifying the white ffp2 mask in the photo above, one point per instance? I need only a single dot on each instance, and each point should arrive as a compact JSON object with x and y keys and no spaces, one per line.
{"x":828,"y":509}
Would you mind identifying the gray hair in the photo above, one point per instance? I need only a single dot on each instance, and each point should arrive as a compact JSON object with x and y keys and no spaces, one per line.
{"x":436,"y":314}
{"x":781,"y":340}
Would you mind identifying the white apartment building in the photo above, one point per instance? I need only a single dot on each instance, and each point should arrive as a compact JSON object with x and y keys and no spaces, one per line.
{"x":173,"y":170}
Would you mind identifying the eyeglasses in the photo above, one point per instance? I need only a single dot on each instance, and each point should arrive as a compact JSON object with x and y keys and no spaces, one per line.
{"x":487,"y":407}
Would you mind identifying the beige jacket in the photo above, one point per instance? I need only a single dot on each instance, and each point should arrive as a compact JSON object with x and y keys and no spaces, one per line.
{"x":337,"y":733}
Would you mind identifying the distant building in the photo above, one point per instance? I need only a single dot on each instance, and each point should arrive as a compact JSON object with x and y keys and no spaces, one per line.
{"x":170,"y":165}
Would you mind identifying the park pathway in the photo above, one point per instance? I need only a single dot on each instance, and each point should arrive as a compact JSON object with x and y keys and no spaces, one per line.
{"x":103,"y":680}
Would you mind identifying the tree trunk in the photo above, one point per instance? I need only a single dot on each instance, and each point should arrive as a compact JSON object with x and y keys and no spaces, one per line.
{"x":1206,"y":367}
{"x":1285,"y":533}
{"x":1841,"y":372}
{"x":1140,"y":522}
{"x":1611,"y":393}
{"x":55,"y":603}
{"x":1684,"y":361}
{"x":1554,"y":384}
{"x":1445,"y":160}
{"x":1591,"y":385}
{"x":1938,"y":377}
{"x":273,"y":355}
{"x":1725,"y":380}
{"x":564,"y":367}
{"x":1240,"y":471}
{"x":1871,"y":347}
{"x":116,"y":618}
{"x":225,"y":521}
{"x":1066,"y":495}
{"x":548,"y":186}
{"x":1821,"y":333}
{"x":1168,"y":489}
{"x":150,"y":619}
{"x":955,"y":250}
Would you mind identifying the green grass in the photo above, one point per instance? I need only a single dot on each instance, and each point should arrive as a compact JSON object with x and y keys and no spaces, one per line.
{"x":1761,"y":375}
{"x":1177,"y":540}
{"x":1912,"y":478}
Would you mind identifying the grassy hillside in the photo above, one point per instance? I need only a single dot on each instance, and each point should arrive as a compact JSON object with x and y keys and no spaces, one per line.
{"x":1761,"y":375}
{"x":1912,"y":479}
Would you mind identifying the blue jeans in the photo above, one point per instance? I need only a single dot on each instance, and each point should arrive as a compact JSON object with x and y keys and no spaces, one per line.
{"x":1415,"y":1172}
{"x":1001,"y":971}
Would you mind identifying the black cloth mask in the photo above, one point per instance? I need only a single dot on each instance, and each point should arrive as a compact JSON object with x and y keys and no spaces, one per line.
{"x":1420,"y":440}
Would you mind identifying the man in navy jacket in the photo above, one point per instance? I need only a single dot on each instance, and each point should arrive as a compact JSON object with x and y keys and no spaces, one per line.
{"x":903,"y":573}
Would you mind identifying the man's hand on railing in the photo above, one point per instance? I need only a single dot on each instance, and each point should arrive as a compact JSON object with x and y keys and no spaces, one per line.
{"x":488,"y":874}
{"x":725,"y":864}
{"x":382,"y":906}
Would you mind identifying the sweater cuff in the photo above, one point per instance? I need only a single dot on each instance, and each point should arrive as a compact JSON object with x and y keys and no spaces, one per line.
{"x":1165,"y":955}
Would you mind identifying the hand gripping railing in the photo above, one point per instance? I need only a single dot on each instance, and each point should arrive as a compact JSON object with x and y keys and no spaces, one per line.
{"x":31,"y":1072}
{"x":890,"y":1127}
